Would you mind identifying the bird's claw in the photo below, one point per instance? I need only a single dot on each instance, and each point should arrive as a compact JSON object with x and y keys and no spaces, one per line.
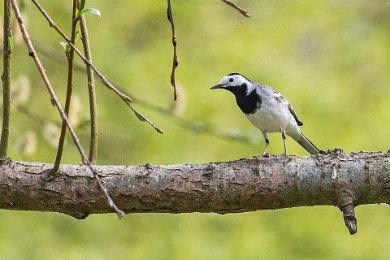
{"x":287,"y":158}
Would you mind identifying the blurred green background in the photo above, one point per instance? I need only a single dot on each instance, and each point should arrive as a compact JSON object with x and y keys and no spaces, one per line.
{"x":331,"y":59}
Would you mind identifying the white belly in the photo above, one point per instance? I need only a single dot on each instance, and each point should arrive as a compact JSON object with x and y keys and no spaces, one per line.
{"x":265,"y":122}
{"x":270,"y":120}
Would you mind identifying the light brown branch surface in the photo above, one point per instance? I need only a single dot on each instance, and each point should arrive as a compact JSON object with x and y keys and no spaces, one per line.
{"x":223,"y":187}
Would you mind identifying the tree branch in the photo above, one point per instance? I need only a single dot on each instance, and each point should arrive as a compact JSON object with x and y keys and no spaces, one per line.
{"x":225,"y":187}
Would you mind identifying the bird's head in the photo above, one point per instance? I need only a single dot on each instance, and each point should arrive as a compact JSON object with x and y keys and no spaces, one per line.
{"x":234,"y":82}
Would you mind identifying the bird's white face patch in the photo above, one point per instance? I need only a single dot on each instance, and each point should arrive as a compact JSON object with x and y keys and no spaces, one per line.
{"x":236,"y":80}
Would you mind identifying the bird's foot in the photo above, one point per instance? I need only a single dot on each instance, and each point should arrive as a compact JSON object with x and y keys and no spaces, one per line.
{"x":283,"y":156}
{"x":286,"y":158}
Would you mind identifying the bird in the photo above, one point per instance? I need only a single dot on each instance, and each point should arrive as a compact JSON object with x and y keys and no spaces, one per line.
{"x":266,"y":109}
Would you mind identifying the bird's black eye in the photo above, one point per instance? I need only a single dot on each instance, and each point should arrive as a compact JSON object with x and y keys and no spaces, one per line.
{"x":231,"y":79}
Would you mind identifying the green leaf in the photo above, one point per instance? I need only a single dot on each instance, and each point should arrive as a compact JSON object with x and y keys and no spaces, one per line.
{"x":66,"y":46}
{"x":82,"y":4}
{"x":80,"y":9}
{"x":91,"y":11}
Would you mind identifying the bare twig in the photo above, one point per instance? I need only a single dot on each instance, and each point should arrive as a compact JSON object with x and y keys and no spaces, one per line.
{"x":55,"y":102}
{"x":235,"y":6}
{"x":175,"y":61}
{"x":105,"y":81}
{"x":69,"y":88}
{"x":7,"y":49}
{"x":93,"y":144}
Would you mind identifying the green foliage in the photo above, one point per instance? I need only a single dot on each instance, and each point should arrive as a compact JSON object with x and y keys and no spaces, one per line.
{"x":65,"y":46}
{"x":82,"y":4}
{"x":329,"y":58}
{"x":90,"y":11}
{"x":82,"y":10}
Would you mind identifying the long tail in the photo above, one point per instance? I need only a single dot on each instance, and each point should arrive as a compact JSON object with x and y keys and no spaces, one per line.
{"x":306,"y":144}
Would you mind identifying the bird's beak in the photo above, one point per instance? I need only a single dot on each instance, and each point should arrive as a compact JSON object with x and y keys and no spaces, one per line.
{"x":217,"y":86}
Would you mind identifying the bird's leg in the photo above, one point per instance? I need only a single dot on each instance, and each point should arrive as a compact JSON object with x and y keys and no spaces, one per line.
{"x":284,"y":139}
{"x":266,"y":144}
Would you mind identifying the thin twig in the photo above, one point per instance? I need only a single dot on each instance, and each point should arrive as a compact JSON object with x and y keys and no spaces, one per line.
{"x":69,"y":88}
{"x":93,"y":144}
{"x":175,"y":61}
{"x":235,"y":6}
{"x":7,"y":49}
{"x":105,"y":81}
{"x":55,"y":102}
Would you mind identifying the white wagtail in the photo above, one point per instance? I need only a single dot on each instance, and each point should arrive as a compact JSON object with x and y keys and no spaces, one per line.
{"x":267,"y":109}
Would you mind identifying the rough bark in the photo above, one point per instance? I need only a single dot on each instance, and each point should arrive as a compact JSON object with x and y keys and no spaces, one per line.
{"x":334,"y":178}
